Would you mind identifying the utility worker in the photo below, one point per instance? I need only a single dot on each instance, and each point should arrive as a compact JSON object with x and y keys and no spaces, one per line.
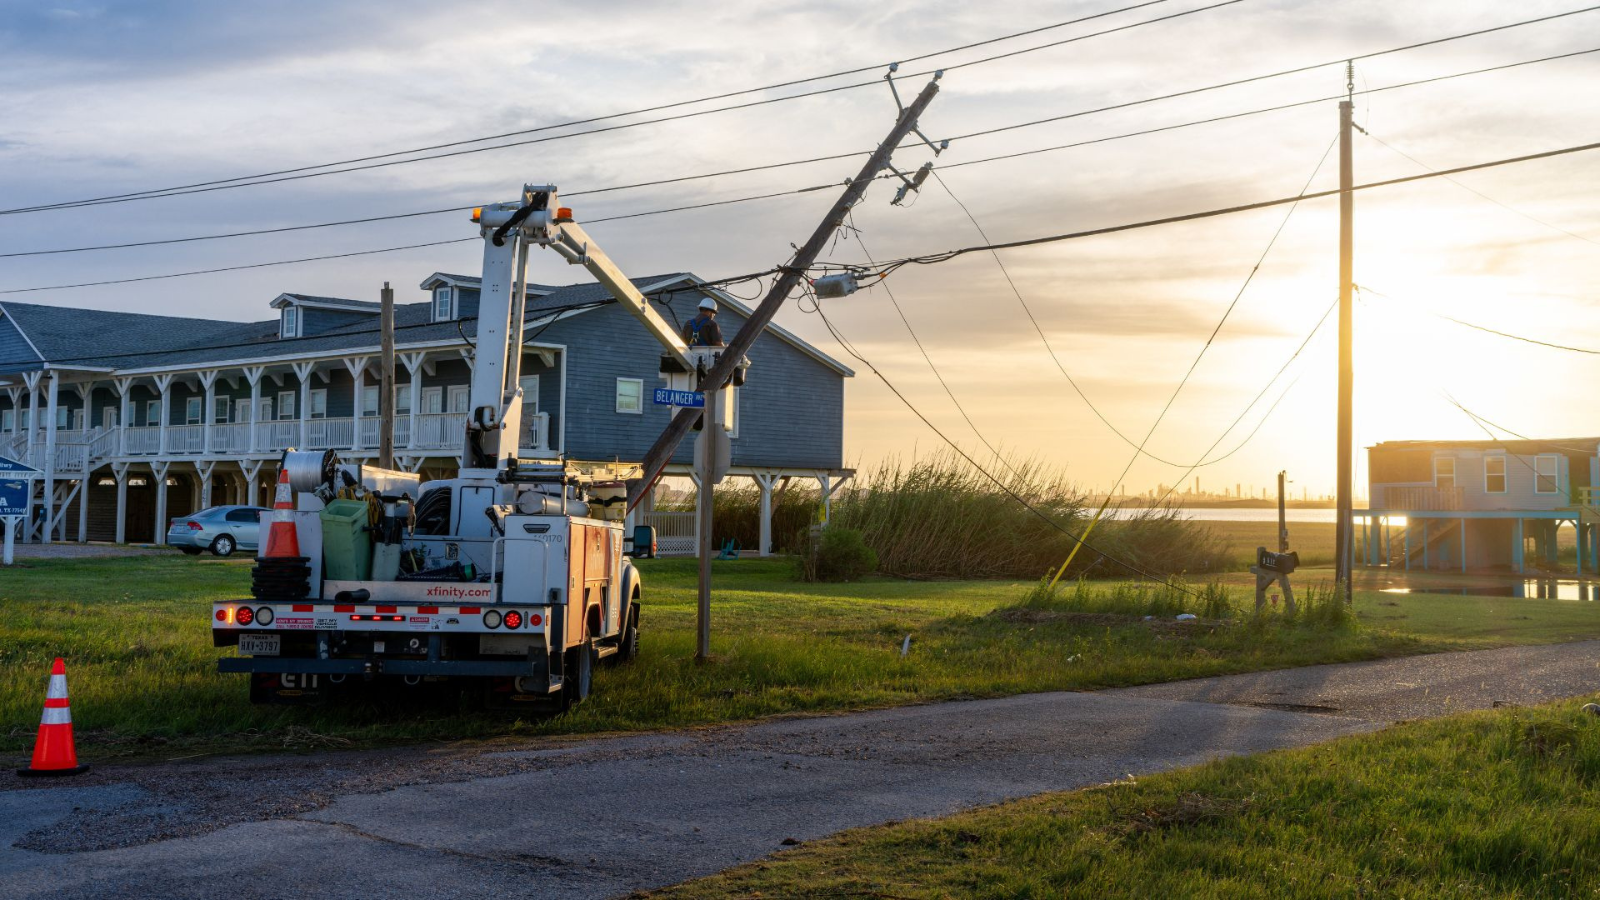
{"x":702,"y":330}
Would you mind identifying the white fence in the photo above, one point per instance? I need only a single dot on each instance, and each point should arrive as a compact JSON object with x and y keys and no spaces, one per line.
{"x":675,"y":532}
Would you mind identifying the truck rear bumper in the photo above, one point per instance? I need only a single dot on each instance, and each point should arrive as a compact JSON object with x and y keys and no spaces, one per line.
{"x":462,"y":668}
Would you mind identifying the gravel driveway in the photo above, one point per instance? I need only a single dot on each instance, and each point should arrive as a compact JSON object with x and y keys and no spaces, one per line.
{"x":598,"y":818}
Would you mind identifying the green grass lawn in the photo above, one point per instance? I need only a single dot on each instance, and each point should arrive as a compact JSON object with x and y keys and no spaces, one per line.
{"x":1484,"y":805}
{"x":1312,"y":540}
{"x":136,"y":636}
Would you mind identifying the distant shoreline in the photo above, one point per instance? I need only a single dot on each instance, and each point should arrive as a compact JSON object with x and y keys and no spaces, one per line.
{"x":1240,"y":504}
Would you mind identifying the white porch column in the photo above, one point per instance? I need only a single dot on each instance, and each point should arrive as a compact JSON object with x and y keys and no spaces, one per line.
{"x":83,"y":506}
{"x":302,"y":373}
{"x":14,"y":394}
{"x":413,"y":364}
{"x":765,"y":481}
{"x":164,"y":385}
{"x":160,"y":468}
{"x":120,"y":470}
{"x":208,"y":380}
{"x":32,"y":379}
{"x":252,"y":491}
{"x":48,"y":464}
{"x":124,"y":411}
{"x":205,"y":468}
{"x":358,"y":375}
{"x":254,"y":373}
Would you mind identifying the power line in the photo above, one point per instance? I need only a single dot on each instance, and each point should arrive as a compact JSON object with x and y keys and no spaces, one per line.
{"x":926,"y":356}
{"x":1505,"y":206}
{"x":386,"y":160}
{"x":1363,"y":289}
{"x":1005,"y":488}
{"x":946,"y":256}
{"x":811,"y":160}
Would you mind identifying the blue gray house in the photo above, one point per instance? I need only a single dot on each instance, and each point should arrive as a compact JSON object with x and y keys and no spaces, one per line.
{"x":136,"y":419}
{"x":1459,"y":505}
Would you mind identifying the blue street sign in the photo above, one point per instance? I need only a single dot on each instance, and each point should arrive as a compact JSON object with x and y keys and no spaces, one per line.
{"x":13,"y":497}
{"x":690,"y":399}
{"x":14,"y":469}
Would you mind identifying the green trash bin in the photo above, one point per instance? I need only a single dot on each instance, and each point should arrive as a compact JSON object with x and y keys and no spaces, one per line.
{"x":346,"y":543}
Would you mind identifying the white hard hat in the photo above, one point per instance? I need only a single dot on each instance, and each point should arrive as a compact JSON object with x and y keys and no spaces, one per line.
{"x":708,"y":303}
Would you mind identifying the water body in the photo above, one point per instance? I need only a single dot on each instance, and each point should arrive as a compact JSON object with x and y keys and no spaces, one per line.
{"x":1537,"y":588}
{"x":1248,"y":515}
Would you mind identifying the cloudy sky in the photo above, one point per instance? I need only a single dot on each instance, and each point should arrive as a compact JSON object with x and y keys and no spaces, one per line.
{"x":107,"y":98}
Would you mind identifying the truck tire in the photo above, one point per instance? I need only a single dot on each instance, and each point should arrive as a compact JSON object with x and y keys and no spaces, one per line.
{"x":628,"y":641}
{"x":579,"y":675}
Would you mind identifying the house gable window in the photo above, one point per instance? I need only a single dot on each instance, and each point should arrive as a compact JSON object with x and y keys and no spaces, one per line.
{"x":1494,"y":474}
{"x":630,"y":396}
{"x":1444,"y":473}
{"x":291,"y":322}
{"x":1545,"y":474}
{"x":443,"y":304}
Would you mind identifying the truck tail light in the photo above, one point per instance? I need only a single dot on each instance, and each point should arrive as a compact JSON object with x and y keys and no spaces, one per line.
{"x":491,"y":619}
{"x":513,"y":619}
{"x":535,"y":620}
{"x":222,"y":615}
{"x":265,"y":615}
{"x":245,"y":615}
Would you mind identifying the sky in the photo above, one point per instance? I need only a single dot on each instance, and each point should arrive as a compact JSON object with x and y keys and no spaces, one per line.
{"x":106,"y":98}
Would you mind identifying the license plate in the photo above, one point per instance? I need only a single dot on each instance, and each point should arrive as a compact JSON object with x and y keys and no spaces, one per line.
{"x":259,"y":644}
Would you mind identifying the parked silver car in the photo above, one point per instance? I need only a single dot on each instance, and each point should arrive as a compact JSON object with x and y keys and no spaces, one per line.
{"x":220,"y":529}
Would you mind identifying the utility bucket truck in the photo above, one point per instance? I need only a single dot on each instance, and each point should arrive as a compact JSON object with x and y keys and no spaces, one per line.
{"x":514,"y":576}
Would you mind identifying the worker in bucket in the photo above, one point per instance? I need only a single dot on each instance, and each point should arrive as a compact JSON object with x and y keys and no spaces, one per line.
{"x":702,"y":330}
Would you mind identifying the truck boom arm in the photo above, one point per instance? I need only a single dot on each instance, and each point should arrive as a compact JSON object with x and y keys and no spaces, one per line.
{"x":495,"y":422}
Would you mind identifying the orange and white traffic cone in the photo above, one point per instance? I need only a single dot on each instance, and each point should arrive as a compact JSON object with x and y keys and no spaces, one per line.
{"x":282,"y":539}
{"x":54,"y":753}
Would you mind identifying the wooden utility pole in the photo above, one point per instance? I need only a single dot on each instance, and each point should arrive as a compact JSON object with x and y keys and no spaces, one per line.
{"x":710,"y":436}
{"x":386,"y":383}
{"x":1283,"y":521}
{"x":1343,"y":555}
{"x":661,"y":451}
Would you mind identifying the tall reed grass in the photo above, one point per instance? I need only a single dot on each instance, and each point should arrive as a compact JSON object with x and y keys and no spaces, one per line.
{"x":938,"y":517}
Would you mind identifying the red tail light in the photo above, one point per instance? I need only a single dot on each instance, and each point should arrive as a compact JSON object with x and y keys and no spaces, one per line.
{"x":222,"y":615}
{"x":194,"y":526}
{"x":245,"y":615}
{"x":513,"y":619}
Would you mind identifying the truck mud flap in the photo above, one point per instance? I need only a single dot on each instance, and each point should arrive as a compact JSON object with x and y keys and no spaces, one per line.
{"x":290,"y":688}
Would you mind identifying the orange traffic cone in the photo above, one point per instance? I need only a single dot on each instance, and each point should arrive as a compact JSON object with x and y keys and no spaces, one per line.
{"x":54,"y":753}
{"x":282,"y":540}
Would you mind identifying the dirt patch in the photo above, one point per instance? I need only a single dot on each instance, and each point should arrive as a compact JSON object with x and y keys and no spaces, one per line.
{"x":1159,"y":624}
{"x":1187,"y":811}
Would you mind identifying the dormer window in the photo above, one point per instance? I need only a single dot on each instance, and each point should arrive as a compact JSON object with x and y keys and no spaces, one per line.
{"x":443,"y":303}
{"x":291,"y":322}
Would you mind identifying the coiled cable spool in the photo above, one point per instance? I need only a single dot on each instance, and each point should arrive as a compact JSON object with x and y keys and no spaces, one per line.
{"x":311,"y":469}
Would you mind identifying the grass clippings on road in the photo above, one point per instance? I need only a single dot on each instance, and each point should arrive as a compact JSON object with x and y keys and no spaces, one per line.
{"x":136,"y":636}
{"x":1484,"y":805}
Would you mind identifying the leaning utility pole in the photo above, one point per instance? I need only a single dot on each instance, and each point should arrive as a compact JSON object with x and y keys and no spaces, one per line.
{"x":1343,"y":555}
{"x":656,"y":458}
{"x":386,"y":383}
{"x":661,"y":451}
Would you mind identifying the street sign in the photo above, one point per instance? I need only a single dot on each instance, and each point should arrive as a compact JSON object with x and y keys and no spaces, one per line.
{"x":10,"y":468}
{"x":687,"y":399}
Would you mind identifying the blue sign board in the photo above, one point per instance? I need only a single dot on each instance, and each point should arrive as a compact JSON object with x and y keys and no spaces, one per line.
{"x":14,"y":478}
{"x":13,"y":497}
{"x":690,"y":399}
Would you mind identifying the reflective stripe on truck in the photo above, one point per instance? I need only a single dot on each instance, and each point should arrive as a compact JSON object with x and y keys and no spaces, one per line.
{"x":246,"y":616}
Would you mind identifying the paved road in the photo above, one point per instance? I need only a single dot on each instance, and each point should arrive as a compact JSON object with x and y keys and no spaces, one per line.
{"x":602,"y":817}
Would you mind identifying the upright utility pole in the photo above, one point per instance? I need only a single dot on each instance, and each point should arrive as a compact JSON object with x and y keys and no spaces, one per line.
{"x":661,"y":451}
{"x":710,"y":435}
{"x":1343,"y":540}
{"x":1283,"y":519}
{"x":386,"y":383}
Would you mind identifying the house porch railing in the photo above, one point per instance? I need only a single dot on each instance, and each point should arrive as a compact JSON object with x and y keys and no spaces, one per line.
{"x":1420,"y":499}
